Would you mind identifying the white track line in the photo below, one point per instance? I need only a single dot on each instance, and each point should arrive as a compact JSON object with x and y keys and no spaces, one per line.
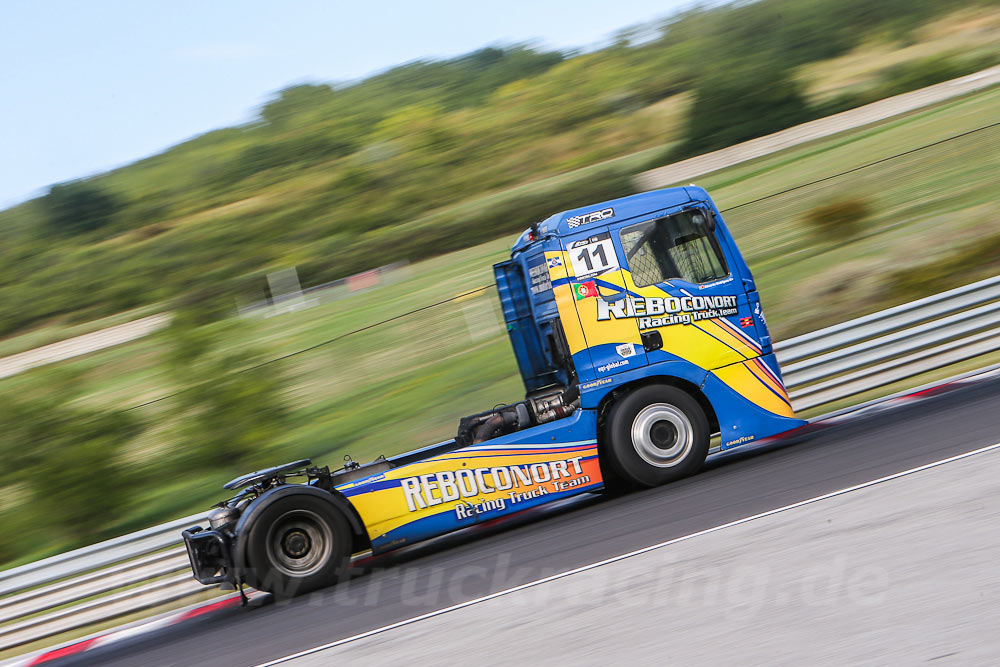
{"x":630,"y":554}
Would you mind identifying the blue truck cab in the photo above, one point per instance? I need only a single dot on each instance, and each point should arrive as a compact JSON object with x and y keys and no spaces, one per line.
{"x":646,"y":289}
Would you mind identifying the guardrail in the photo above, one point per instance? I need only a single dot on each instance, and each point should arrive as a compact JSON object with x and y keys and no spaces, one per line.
{"x":104,"y":581}
{"x":891,"y":345}
{"x":148,"y":568}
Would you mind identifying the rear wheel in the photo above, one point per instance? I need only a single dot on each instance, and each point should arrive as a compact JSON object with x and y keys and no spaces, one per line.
{"x":654,"y":435}
{"x":297,"y":544}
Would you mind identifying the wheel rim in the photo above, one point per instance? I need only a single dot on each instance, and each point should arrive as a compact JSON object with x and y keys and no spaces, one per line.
{"x":299,"y":543}
{"x":662,"y":435}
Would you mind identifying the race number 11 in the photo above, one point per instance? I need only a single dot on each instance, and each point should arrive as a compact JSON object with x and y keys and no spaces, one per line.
{"x":593,"y":258}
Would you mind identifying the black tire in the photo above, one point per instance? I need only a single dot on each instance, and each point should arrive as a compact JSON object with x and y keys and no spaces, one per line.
{"x":298,"y":543}
{"x":654,"y":435}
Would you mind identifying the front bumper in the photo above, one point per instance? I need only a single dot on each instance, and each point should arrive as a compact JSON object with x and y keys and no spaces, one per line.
{"x":211,"y":555}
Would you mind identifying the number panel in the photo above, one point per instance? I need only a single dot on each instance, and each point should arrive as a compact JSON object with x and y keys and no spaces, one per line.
{"x":593,"y":256}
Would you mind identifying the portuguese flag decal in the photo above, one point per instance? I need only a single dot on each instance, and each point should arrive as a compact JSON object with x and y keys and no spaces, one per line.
{"x":583,"y":290}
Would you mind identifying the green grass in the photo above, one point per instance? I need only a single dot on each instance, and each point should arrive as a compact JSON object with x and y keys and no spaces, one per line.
{"x":405,"y":384}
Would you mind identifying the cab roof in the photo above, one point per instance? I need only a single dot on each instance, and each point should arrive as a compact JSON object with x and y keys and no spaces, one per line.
{"x":613,"y":210}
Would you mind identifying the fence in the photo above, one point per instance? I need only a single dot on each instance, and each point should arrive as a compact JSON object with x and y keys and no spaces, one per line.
{"x":148,"y":568}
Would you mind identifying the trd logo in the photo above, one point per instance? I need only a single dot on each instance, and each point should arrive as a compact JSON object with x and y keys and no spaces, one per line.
{"x":587,"y":218}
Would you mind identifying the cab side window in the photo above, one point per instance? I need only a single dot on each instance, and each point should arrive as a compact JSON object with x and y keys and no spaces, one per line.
{"x":672,"y":247}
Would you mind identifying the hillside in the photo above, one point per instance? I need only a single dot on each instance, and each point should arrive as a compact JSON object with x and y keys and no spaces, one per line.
{"x":327,"y":176}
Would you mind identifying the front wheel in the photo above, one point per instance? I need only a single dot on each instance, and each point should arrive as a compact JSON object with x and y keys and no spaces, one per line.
{"x":655,"y":435}
{"x":297,"y":544}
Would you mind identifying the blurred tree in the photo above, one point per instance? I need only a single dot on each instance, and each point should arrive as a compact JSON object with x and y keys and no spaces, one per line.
{"x":910,"y":75}
{"x":841,"y":219}
{"x":230,"y":410}
{"x":460,"y":82}
{"x":293,"y":101}
{"x":68,"y":457}
{"x":739,"y":102}
{"x":78,"y":207}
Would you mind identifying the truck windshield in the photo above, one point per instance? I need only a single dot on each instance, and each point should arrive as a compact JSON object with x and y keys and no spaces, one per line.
{"x":672,"y":247}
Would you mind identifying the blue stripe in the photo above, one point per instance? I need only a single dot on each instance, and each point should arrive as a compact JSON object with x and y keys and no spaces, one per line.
{"x":739,"y":333}
{"x":774,"y":375}
{"x":615,"y":288}
{"x":695,"y":324}
{"x":597,"y":281}
{"x":372,"y":486}
{"x":528,"y":453}
{"x":768,"y":387}
{"x":526,"y":447}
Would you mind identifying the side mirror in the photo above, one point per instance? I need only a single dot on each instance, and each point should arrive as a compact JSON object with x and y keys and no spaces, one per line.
{"x":704,"y":219}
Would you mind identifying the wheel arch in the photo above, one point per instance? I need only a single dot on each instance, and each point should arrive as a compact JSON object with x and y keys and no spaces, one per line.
{"x":249,"y":516}
{"x":666,"y":380}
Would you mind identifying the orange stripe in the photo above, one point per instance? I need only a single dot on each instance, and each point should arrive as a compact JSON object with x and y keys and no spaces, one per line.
{"x":766,"y":379}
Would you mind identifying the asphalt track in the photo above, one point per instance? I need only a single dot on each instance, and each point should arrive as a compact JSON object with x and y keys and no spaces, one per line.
{"x":850,"y":453}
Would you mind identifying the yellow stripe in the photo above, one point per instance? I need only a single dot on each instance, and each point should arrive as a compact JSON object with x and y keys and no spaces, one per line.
{"x":569,"y":318}
{"x":561,"y":271}
{"x":744,"y":381}
{"x":726,"y":336}
{"x":766,"y":379}
{"x":607,"y":331}
{"x":707,"y":347}
{"x":386,"y":509}
{"x":565,"y":302}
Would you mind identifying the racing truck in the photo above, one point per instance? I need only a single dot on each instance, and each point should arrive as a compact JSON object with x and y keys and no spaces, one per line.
{"x":638,"y":333}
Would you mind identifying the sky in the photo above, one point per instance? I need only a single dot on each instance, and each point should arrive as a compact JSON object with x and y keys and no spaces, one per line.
{"x":88,"y":86}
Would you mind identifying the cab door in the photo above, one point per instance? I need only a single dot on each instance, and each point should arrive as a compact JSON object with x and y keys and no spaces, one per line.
{"x":598,"y":290}
{"x":690,"y":302}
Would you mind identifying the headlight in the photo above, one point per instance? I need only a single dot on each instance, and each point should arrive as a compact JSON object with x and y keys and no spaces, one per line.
{"x":223,"y":517}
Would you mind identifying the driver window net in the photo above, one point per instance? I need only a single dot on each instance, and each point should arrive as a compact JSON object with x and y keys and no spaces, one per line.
{"x":671,"y":247}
